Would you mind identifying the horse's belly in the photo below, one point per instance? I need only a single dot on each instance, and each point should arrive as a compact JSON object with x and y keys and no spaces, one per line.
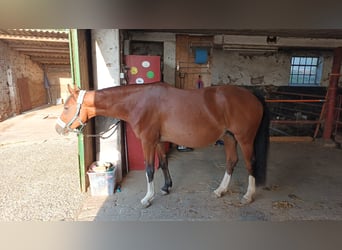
{"x":191,"y":136}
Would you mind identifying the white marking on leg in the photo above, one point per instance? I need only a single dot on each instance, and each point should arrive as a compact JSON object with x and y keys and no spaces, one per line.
{"x":223,"y":188}
{"x":146,"y":201}
{"x":250,"y":190}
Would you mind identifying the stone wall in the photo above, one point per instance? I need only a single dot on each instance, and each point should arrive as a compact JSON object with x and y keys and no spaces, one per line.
{"x":273,"y":69}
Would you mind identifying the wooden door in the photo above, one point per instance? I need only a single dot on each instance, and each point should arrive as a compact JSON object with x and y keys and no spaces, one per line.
{"x":188,"y":71}
{"x":24,"y":94}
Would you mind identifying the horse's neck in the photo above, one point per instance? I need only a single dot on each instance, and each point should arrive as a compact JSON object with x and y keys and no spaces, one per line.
{"x":115,"y":102}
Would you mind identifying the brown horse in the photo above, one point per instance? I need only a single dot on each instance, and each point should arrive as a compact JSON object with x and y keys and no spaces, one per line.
{"x":160,"y":113}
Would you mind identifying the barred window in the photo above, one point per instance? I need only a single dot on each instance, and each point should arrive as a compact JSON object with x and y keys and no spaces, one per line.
{"x":305,"y":71}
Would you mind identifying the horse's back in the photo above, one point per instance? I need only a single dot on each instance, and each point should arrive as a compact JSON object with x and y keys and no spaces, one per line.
{"x":227,"y":105}
{"x":199,"y":117}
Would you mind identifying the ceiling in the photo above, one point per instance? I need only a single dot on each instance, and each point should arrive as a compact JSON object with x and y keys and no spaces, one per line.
{"x":45,"y":47}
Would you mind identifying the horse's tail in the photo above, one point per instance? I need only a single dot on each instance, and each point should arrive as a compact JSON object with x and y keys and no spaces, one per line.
{"x":261,"y":145}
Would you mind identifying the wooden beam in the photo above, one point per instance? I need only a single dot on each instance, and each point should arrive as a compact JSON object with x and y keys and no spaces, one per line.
{"x":51,"y":60}
{"x":291,"y":139}
{"x":38,"y":45}
{"x":49,"y":55}
{"x":43,"y":49}
{"x":82,"y":75}
{"x":279,"y":41}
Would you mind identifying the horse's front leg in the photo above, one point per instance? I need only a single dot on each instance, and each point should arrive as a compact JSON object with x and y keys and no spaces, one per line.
{"x":163,"y":164}
{"x":149,"y":152}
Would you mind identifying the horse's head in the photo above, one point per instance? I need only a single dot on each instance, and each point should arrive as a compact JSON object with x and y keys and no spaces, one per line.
{"x":73,"y":117}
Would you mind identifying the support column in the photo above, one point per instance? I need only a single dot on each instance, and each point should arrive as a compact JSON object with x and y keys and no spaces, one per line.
{"x":332,"y":92}
{"x":106,"y":63}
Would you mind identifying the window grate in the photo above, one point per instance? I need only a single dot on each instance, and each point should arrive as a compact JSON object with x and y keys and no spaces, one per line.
{"x":305,"y":71}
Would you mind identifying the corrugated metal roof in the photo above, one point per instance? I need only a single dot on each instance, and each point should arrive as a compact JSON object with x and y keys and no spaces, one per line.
{"x":61,"y":34}
{"x":46,"y":47}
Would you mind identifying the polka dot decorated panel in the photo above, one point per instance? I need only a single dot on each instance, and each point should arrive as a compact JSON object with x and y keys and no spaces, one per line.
{"x":143,"y":69}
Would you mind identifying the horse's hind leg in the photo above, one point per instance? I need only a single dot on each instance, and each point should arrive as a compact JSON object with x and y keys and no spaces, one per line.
{"x":230,"y":146}
{"x":163,"y":164}
{"x":247,"y":151}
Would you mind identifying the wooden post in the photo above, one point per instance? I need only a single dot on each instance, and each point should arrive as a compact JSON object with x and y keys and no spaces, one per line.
{"x":332,"y":92}
{"x":82,"y":76}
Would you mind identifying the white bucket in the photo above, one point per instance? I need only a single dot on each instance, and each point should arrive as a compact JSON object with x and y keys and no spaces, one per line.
{"x":102,"y":183}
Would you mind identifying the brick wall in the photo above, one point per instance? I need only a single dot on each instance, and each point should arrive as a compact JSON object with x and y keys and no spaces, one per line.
{"x":6,"y":89}
{"x":15,"y":66}
{"x":59,"y":78}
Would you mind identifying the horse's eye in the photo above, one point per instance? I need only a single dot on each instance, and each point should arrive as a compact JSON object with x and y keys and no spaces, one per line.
{"x":66,"y":108}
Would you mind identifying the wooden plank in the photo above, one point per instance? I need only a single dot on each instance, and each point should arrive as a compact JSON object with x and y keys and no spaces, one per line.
{"x":291,"y":139}
{"x":181,"y":56}
{"x":84,"y":44}
{"x":81,"y":72}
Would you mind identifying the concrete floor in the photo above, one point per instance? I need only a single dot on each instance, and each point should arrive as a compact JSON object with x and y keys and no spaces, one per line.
{"x":39,"y":169}
{"x":304,"y":183}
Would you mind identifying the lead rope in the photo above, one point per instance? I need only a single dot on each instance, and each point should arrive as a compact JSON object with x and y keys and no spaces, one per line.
{"x":100,"y":135}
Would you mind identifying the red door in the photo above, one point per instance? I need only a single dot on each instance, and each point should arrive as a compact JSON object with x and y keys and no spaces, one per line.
{"x":134,"y":151}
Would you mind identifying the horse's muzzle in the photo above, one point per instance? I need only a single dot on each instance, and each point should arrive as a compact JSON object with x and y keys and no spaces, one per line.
{"x":60,"y":130}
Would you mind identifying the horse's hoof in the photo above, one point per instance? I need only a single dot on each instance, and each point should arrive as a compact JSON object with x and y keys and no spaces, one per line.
{"x":217,"y":194}
{"x":164,"y":192}
{"x":245,"y":201}
{"x":146,"y":204}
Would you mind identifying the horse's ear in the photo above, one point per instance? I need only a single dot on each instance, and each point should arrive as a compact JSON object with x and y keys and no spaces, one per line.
{"x":72,"y":90}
